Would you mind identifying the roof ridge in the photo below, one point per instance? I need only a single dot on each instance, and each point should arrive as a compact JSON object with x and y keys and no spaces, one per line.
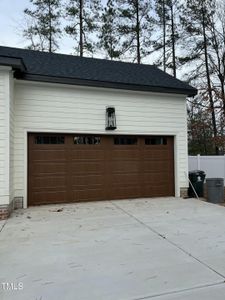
{"x":78,"y":57}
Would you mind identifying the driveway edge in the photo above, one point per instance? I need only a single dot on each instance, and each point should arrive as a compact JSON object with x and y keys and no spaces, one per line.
{"x":2,"y":225}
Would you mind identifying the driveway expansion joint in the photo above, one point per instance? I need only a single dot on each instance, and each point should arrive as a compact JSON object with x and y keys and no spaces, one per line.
{"x":1,"y":229}
{"x":181,"y":291}
{"x":169,"y":241}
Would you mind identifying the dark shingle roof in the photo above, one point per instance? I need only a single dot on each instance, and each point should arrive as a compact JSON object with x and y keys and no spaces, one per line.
{"x":43,"y":66}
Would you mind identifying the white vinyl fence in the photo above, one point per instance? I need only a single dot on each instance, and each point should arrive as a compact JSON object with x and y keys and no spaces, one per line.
{"x":213,"y":166}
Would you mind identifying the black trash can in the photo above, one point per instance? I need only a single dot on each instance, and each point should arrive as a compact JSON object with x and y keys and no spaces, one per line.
{"x":197,"y":178}
{"x":215,"y":190}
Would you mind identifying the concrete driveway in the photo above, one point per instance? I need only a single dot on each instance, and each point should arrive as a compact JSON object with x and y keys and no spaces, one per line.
{"x":165,"y":249}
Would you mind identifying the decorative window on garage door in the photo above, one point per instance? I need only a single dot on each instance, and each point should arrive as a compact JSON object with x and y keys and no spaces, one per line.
{"x":56,"y":140}
{"x":86,"y":140}
{"x":156,"y":140}
{"x":125,"y":140}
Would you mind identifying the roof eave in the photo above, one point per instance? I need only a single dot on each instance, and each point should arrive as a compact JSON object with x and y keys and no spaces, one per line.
{"x":94,"y":83}
{"x":17,"y":64}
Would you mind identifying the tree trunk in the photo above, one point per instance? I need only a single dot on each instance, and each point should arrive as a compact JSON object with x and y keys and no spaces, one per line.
{"x":221,"y":77}
{"x":138,"y":32}
{"x":208,"y":77}
{"x":164,"y":36}
{"x":50,"y":26}
{"x":220,"y":62}
{"x":81,"y":29}
{"x":173,"y":41}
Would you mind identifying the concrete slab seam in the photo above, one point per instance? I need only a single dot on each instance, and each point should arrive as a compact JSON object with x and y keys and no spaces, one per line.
{"x":180,"y":291}
{"x":3,"y":226}
{"x":169,"y":241}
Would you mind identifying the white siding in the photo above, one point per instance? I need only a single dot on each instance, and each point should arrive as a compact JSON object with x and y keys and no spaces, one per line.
{"x":11,"y":137}
{"x":61,"y":108}
{"x":2,"y":136}
{"x":5,"y":94}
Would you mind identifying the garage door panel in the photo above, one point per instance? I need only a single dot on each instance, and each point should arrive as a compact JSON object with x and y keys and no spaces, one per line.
{"x":124,"y":155}
{"x":88,"y":195}
{"x":126,"y":178}
{"x":48,"y":197}
{"x":125,"y":192}
{"x":156,"y":178}
{"x":49,"y":181}
{"x":124,"y":167}
{"x":156,"y":166}
{"x":53,"y":167}
{"x":160,"y":155}
{"x":86,"y":154}
{"x":87,"y":167}
{"x":48,"y":155}
{"x":90,"y":168}
{"x":85,"y":180}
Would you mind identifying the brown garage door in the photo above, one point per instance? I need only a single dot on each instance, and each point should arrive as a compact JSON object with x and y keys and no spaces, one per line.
{"x":70,"y":168}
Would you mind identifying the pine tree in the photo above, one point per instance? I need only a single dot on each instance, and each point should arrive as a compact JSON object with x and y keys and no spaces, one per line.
{"x":167,"y":36}
{"x":43,"y":30}
{"x":196,"y":19}
{"x":135,"y":26}
{"x":216,"y":25}
{"x":174,"y":36}
{"x":84,"y":17}
{"x":163,"y":17}
{"x":200,"y":130}
{"x":109,"y":40}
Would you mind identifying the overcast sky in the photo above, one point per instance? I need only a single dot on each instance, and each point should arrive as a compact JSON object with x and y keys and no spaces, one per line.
{"x":11,"y":21}
{"x":11,"y":16}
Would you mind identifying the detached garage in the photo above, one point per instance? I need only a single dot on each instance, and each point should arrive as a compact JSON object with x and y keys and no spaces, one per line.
{"x":83,"y":129}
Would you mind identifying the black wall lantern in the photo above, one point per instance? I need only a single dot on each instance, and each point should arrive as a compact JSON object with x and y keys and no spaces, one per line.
{"x":110,"y":118}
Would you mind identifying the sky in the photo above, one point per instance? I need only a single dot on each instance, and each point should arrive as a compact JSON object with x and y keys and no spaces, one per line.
{"x":11,"y":23}
{"x":11,"y":18}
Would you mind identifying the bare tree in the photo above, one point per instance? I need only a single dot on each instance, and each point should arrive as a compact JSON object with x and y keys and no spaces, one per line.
{"x":84,"y":18}
{"x":43,"y":25}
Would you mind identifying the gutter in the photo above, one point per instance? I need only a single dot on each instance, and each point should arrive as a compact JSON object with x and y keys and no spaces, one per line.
{"x":93,"y":83}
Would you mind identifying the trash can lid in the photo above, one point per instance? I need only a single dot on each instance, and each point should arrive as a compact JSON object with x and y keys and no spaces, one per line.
{"x":196,"y":172}
{"x":213,"y":179}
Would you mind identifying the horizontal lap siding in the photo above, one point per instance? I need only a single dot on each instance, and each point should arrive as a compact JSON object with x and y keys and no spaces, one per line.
{"x":4,"y":136}
{"x":11,"y":133}
{"x":76,"y":109}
